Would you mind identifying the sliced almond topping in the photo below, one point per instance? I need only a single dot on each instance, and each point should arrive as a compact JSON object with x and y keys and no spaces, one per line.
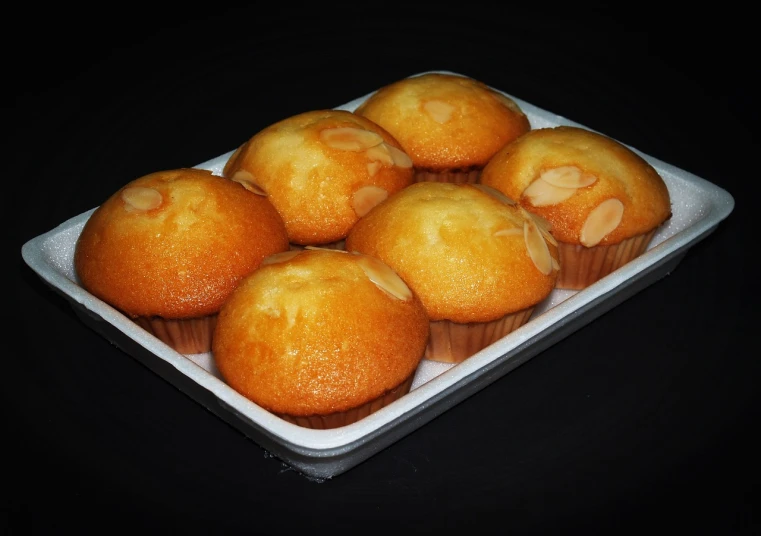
{"x":544,"y":225}
{"x":567,"y":177}
{"x":384,"y":277}
{"x":350,"y":138}
{"x":401,"y":158}
{"x":366,"y":198}
{"x":509,"y":232}
{"x":245,"y":179}
{"x":380,"y":153}
{"x":537,"y":247}
{"x":373,"y":167}
{"x":280,"y":257}
{"x":138,"y":198}
{"x":555,"y":264}
{"x":548,"y":236}
{"x":587,"y":179}
{"x":332,"y":250}
{"x":439,"y":111}
{"x":496,"y":194}
{"x":541,"y":193}
{"x":602,"y":220}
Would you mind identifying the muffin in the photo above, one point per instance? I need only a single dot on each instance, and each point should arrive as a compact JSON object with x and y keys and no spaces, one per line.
{"x":479,"y":263}
{"x":322,"y":170}
{"x":603,"y":201}
{"x":450,"y":125}
{"x":169,"y":247}
{"x":321,"y":337}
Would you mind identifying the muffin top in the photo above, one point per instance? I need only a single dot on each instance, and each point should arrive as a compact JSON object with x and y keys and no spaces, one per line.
{"x":316,"y":331}
{"x":446,"y":122}
{"x":591,"y":189}
{"x":322,"y":170}
{"x":175,"y":243}
{"x":470,"y":254}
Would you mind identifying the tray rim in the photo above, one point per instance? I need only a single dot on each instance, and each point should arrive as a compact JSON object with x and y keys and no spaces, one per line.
{"x":322,"y":444}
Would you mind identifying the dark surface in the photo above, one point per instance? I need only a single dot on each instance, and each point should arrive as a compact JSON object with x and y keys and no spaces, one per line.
{"x":642,"y":420}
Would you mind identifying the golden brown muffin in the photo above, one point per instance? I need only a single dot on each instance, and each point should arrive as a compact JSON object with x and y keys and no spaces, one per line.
{"x":602,"y":200}
{"x":322,"y":170}
{"x":169,"y":247}
{"x":450,"y":125}
{"x":321,"y":337}
{"x":478,"y":262}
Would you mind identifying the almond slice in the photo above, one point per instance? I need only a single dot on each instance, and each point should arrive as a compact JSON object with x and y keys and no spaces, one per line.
{"x":400,"y":158}
{"x":496,"y":194}
{"x":350,"y":138}
{"x":555,"y":264}
{"x":331,"y":250}
{"x":543,"y":224}
{"x":140,"y":199}
{"x":587,"y":179}
{"x":245,"y":179}
{"x":366,"y":198}
{"x":602,"y":220}
{"x":509,"y":232}
{"x":280,"y":257}
{"x":548,"y":236}
{"x":537,"y":247}
{"x":541,"y":193}
{"x":439,"y":111}
{"x":567,"y":177}
{"x":380,"y":153}
{"x":384,"y":277}
{"x":373,"y":168}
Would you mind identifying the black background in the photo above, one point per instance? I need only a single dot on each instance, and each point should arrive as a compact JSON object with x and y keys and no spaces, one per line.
{"x":641,"y":420}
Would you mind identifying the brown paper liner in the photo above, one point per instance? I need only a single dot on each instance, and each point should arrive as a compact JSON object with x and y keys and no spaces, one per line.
{"x":451,"y":342}
{"x":470,"y":177}
{"x":187,"y":336}
{"x":343,"y":418}
{"x":581,"y":266}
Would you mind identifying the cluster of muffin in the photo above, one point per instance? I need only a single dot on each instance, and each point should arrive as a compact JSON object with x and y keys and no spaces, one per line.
{"x":339,"y":249}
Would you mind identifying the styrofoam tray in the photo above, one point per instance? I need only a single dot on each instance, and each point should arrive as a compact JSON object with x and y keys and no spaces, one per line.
{"x":698,"y":207}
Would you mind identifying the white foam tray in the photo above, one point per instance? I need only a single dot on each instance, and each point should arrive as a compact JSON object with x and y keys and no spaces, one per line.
{"x":698,"y":207}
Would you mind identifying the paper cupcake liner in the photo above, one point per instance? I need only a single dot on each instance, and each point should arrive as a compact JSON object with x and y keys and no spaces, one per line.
{"x":451,"y":342}
{"x":581,"y":266}
{"x":343,"y":418}
{"x":187,"y":336}
{"x":470,"y":177}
